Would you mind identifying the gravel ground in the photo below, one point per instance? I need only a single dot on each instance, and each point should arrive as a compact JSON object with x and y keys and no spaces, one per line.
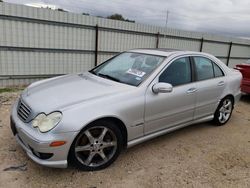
{"x":201,"y":155}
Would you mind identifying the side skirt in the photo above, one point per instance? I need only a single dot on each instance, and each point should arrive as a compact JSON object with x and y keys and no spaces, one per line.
{"x":164,"y":131}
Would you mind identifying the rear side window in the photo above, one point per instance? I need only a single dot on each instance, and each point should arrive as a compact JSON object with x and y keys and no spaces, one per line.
{"x":204,"y":68}
{"x":177,"y":73}
{"x":217,"y":71}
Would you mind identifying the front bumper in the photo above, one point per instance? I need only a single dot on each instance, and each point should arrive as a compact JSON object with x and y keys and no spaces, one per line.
{"x":37,"y":145}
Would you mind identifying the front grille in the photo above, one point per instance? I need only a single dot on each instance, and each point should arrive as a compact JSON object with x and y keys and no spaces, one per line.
{"x":23,"y":111}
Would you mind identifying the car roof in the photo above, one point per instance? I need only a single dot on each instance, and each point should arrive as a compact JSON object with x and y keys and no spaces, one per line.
{"x":162,"y":51}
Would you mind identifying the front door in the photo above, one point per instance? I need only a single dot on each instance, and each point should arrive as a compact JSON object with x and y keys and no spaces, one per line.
{"x":164,"y":110}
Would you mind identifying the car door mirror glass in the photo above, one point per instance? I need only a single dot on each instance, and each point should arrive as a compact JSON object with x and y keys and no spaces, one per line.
{"x":162,"y":88}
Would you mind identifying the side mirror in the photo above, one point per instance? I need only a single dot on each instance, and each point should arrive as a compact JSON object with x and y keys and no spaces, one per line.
{"x":162,"y":87}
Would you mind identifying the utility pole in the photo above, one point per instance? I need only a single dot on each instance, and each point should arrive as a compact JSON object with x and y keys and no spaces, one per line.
{"x":166,"y":24}
{"x":167,"y":20}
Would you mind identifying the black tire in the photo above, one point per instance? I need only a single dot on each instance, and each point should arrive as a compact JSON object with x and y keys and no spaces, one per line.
{"x":218,"y":119}
{"x":79,"y":158}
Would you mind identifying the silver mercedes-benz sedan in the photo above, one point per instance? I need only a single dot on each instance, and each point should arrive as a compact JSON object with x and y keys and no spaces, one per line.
{"x":87,"y":119}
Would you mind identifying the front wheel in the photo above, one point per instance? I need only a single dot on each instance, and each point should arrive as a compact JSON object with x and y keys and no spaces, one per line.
{"x":97,"y":146}
{"x":224,"y":111}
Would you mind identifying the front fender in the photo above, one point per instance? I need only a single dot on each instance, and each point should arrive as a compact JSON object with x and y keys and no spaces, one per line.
{"x":129,"y":110}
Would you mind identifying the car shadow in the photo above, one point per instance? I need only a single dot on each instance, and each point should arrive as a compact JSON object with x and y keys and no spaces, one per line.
{"x":245,"y":98}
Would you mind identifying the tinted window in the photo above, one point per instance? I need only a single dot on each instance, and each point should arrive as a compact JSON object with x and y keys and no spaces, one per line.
{"x":217,"y":71}
{"x":178,"y":73}
{"x":204,"y":68}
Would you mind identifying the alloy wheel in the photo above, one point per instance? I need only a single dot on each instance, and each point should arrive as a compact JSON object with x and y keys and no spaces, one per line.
{"x":96,"y":146}
{"x":225,"y":110}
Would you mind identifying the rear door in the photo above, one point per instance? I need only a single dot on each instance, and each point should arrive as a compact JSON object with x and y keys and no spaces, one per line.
{"x":210,"y":81}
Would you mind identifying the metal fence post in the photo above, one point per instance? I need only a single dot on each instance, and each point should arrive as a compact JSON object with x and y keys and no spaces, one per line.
{"x":96,"y":44}
{"x":229,"y":53}
{"x":157,"y":39}
{"x":201,"y":46}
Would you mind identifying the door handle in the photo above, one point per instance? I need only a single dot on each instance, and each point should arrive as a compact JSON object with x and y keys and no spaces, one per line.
{"x":191,"y":90}
{"x":221,"y":83}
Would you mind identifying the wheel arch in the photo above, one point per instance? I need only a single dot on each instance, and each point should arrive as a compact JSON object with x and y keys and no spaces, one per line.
{"x":229,"y":96}
{"x":119,"y":122}
{"x":121,"y":126}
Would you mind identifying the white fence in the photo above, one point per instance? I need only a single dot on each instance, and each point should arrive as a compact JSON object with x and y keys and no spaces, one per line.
{"x":36,"y":43}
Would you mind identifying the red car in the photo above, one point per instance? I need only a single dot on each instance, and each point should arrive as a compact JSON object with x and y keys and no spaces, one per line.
{"x":244,"y":68}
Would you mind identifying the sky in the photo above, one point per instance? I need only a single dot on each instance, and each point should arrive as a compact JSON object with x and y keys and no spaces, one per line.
{"x":224,"y":17}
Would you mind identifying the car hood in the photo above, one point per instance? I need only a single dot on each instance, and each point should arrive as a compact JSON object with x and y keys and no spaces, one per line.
{"x":61,"y":92}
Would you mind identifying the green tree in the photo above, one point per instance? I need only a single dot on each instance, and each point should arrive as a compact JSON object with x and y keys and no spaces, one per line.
{"x":60,"y":9}
{"x":86,"y":14}
{"x":119,"y":17}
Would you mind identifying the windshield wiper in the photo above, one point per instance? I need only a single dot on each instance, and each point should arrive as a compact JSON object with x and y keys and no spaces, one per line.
{"x":108,"y":77}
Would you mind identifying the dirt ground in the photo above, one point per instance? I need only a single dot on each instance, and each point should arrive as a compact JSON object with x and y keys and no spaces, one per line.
{"x":201,"y":155}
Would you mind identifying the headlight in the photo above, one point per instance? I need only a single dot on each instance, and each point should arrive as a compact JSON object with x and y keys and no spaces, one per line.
{"x":47,"y":122}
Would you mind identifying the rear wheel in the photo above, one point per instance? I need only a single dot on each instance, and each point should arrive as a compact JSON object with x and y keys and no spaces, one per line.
{"x":224,"y":111}
{"x":97,"y":146}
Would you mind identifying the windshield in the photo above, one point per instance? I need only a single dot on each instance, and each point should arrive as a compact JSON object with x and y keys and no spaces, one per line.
{"x":129,"y":68}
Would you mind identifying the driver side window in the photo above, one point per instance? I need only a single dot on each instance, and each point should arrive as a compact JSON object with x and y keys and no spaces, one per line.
{"x":177,"y":73}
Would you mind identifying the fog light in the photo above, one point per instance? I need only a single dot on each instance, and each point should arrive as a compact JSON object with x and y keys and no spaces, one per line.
{"x":57,"y":143}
